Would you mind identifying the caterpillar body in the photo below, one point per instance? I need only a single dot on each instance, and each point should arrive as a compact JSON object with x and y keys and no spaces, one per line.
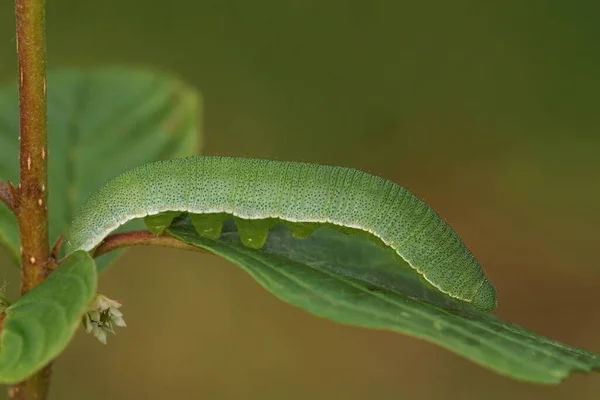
{"x":259,"y":193}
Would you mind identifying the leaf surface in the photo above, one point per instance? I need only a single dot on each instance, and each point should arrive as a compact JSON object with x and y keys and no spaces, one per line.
{"x":100,"y":123}
{"x":38,"y":326}
{"x":351,"y":280}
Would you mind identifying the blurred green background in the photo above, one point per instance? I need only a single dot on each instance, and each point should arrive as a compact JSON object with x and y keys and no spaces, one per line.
{"x":487,"y":110}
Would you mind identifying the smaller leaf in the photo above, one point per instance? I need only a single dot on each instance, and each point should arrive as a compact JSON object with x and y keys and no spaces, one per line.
{"x":39,"y":325}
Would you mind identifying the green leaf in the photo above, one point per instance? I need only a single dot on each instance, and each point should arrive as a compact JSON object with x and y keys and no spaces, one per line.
{"x":40,"y":324}
{"x":9,"y":231}
{"x":100,"y":123}
{"x":353,"y":281}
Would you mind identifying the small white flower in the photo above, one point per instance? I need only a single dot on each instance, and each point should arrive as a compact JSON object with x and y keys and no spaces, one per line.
{"x":94,"y":316}
{"x":87,"y":323}
{"x":102,"y":317}
{"x":119,"y":321}
{"x":100,"y":334}
{"x":116,"y":312}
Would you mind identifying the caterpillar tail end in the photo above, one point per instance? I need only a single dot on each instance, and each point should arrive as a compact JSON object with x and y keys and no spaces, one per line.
{"x":485,"y":298}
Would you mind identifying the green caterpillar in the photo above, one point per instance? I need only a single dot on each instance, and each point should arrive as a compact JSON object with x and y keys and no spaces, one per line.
{"x":259,"y":193}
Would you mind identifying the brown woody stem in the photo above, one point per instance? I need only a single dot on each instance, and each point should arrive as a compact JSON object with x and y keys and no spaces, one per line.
{"x":32,"y":212}
{"x":140,"y":238}
{"x":31,"y":205}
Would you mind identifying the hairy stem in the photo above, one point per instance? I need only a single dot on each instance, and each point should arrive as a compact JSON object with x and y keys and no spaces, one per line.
{"x":32,"y":210}
{"x":140,"y":238}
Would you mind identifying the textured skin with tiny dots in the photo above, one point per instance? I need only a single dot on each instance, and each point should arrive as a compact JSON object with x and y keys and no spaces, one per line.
{"x":256,"y":189}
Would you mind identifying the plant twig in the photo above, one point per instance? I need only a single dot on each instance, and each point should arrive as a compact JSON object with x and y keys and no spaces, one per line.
{"x":8,"y":195}
{"x":141,"y":238}
{"x":32,"y":210}
{"x":56,"y":248}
